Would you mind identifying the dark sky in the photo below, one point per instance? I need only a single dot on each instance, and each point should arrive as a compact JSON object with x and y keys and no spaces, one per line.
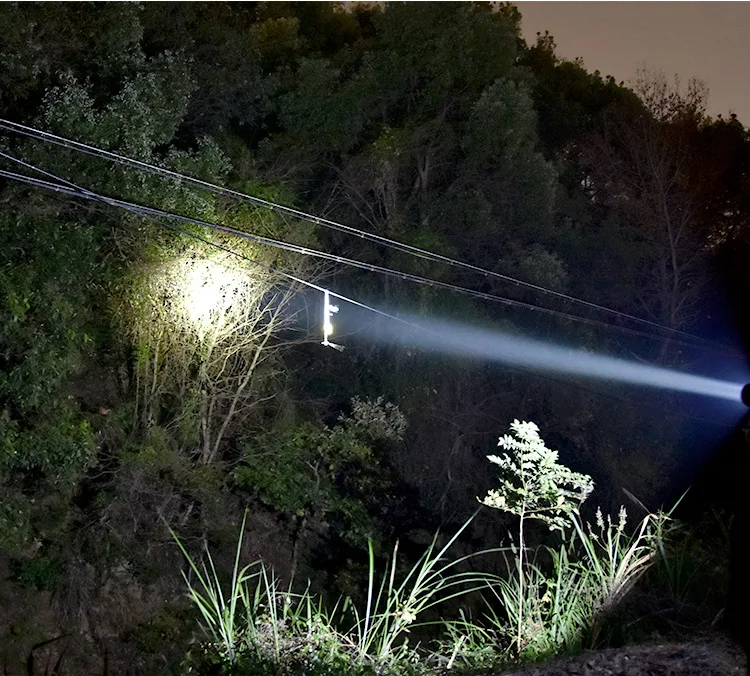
{"x":708,"y":40}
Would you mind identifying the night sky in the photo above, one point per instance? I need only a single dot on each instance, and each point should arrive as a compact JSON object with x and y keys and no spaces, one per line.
{"x":708,"y":40}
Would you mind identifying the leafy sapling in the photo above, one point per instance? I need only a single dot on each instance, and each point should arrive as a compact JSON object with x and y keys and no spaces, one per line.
{"x":533,"y":485}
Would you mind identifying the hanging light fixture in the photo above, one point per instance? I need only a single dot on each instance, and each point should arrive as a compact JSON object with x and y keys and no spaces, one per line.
{"x":328,"y":312}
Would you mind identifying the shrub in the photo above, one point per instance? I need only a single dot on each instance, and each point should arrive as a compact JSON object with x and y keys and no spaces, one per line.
{"x":590,"y":571}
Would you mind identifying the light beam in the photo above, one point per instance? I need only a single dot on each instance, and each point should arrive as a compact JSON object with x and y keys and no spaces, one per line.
{"x":462,"y":340}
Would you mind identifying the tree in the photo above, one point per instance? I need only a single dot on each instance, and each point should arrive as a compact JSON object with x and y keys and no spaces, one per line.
{"x":101,"y":47}
{"x":645,"y":166}
{"x":725,"y":146}
{"x":204,"y":327}
{"x":392,"y":120}
{"x":568,"y":99}
{"x":46,"y":335}
{"x":332,"y":480}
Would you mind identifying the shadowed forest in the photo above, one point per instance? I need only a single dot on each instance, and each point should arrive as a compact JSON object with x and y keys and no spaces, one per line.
{"x":191,"y":483}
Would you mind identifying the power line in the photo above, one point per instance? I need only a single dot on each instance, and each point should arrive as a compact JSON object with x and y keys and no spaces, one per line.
{"x":48,"y":137}
{"x":76,"y":191}
{"x":73,"y":190}
{"x":670,"y":412}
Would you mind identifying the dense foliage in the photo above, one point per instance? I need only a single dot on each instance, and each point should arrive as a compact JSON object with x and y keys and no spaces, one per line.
{"x":127,"y":403}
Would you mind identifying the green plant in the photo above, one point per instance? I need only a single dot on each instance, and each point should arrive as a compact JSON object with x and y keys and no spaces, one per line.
{"x":203,"y":327}
{"x":469,"y":645}
{"x":616,"y":558}
{"x":43,"y":571}
{"x":590,"y":572}
{"x":15,"y":522}
{"x":533,"y":485}
{"x":381,"y":631}
{"x":556,"y":611}
{"x":313,"y":473}
{"x":554,"y":608}
{"x":219,"y":613}
{"x":254,"y":622}
{"x":692,"y":565}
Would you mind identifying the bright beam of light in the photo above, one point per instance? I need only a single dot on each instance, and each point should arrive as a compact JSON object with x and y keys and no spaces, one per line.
{"x":206,"y":287}
{"x":456,"y":339}
{"x":202,"y":291}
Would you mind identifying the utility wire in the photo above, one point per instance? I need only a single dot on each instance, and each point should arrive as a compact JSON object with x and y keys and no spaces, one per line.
{"x":73,"y":190}
{"x":48,"y":137}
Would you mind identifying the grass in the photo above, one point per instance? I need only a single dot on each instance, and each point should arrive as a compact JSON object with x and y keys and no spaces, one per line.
{"x":558,"y":607}
{"x":257,"y":627}
{"x":616,"y":558}
{"x":561,"y":594}
{"x":694,"y":565}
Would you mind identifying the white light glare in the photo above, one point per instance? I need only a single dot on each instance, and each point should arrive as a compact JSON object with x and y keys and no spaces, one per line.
{"x":206,"y":291}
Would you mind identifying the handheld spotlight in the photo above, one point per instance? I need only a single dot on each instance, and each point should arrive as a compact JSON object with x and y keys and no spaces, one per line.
{"x":746,"y":395}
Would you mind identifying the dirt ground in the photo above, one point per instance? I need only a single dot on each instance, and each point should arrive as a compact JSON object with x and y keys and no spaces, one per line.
{"x":713,"y":656}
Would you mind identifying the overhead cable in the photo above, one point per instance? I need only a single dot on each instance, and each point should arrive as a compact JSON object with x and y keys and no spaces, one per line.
{"x":73,"y":190}
{"x":418,"y":252}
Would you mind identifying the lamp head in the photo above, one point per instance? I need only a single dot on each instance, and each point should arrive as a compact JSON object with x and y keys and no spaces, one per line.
{"x":746,"y":395}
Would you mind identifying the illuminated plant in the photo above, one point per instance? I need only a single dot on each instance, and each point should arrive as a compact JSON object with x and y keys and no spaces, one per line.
{"x":204,"y":324}
{"x":615,"y":558}
{"x":533,"y":485}
{"x":255,"y":625}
